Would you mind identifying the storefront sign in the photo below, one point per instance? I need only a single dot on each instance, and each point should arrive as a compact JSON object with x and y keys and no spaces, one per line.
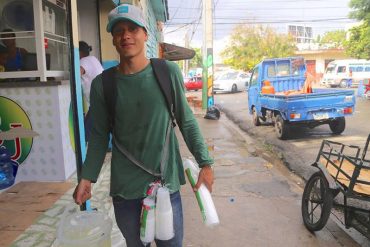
{"x":17,"y":141}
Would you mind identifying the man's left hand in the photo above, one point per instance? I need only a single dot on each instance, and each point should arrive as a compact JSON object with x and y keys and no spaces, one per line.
{"x":205,"y":177}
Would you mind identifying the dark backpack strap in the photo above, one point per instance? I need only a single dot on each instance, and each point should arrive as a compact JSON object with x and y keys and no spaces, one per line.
{"x":162,"y":75}
{"x":110,"y":93}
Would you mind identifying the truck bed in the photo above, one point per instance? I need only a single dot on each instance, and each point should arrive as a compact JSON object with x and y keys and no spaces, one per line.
{"x":322,"y":103}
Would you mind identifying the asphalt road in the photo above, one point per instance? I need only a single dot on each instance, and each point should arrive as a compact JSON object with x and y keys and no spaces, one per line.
{"x":300,"y":151}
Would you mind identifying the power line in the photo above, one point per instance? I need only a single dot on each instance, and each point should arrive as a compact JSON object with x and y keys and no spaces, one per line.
{"x":254,"y":21}
{"x":273,"y":8}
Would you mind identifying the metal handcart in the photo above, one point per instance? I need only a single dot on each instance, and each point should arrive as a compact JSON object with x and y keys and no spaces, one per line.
{"x":343,"y":169}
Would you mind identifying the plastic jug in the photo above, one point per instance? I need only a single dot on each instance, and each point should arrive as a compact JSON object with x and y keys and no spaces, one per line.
{"x":8,"y":168}
{"x":84,"y":228}
{"x":267,"y":88}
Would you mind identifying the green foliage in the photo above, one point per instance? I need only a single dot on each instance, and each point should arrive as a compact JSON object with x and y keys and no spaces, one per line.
{"x":250,"y":44}
{"x":358,"y":45}
{"x":361,"y":10}
{"x":337,"y":38}
{"x":196,"y":61}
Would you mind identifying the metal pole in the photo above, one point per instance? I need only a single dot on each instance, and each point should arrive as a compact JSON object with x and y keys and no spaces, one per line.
{"x":76,"y":91}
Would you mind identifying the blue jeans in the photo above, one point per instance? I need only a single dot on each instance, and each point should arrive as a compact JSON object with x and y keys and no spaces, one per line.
{"x":128,"y":212}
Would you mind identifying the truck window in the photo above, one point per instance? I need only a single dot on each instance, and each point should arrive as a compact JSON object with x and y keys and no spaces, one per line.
{"x":254,"y":79}
{"x":271,"y":71}
{"x":367,"y":69}
{"x":283,"y":69}
{"x":341,"y":69}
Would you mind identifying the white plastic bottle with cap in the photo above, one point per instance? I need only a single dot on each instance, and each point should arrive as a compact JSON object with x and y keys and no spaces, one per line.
{"x":147,"y":222}
{"x":204,"y":198}
{"x":163,"y":215}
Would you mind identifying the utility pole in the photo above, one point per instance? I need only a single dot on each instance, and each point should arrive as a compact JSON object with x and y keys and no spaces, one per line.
{"x":186,"y":62}
{"x":207,"y":53}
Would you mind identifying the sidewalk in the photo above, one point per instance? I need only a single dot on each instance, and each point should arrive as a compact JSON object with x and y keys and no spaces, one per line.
{"x":258,"y":202}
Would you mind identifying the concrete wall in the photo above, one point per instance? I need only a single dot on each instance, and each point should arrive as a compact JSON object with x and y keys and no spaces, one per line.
{"x":88,"y":24}
{"x":320,"y":56}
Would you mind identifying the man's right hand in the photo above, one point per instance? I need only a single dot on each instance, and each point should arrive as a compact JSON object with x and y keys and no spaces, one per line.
{"x":82,"y":192}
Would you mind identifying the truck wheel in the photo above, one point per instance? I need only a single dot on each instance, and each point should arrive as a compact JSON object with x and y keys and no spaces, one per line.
{"x":234,"y":88}
{"x":256,"y":119}
{"x":281,"y":128}
{"x":338,"y":125}
{"x":343,"y":83}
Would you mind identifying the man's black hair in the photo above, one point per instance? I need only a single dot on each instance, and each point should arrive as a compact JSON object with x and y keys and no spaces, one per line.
{"x":84,"y":47}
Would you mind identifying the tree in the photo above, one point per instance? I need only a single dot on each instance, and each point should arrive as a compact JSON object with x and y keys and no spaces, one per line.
{"x":361,"y":10}
{"x":196,"y":61}
{"x":358,"y":44}
{"x":250,"y":44}
{"x":337,"y":38}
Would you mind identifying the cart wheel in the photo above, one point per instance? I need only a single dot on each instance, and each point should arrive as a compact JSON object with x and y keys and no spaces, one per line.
{"x":256,"y":119}
{"x":317,"y":201}
{"x":338,"y":125}
{"x":281,"y":128}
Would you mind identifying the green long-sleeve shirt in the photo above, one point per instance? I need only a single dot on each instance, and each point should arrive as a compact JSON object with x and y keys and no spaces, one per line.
{"x":141,"y":119}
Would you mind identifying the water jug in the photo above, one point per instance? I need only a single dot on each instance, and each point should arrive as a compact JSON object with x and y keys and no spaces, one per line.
{"x":84,"y":228}
{"x":8,"y":168}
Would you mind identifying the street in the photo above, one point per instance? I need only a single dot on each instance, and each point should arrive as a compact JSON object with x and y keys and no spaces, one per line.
{"x":300,"y":151}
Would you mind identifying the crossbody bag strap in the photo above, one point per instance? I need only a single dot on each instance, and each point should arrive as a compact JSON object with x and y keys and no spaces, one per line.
{"x":165,"y":151}
{"x":129,"y":156}
{"x":164,"y":155}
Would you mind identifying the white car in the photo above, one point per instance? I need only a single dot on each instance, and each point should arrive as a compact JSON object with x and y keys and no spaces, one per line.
{"x":232,"y":81}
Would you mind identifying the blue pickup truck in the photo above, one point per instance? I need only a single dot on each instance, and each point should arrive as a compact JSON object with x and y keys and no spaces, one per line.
{"x":286,"y":104}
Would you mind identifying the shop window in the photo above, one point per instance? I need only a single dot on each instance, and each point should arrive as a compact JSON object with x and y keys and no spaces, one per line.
{"x":29,"y":57}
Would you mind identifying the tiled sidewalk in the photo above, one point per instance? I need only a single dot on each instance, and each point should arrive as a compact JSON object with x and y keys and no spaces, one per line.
{"x":42,"y":233}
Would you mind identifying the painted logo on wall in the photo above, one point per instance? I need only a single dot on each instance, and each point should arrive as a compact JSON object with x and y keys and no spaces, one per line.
{"x":71,"y":129}
{"x":12,"y":116}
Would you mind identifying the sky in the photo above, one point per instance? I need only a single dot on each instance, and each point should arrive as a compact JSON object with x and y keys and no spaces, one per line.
{"x":185,"y":17}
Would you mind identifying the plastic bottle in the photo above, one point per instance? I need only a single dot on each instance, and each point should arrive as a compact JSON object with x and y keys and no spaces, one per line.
{"x":52,"y":21}
{"x":205,"y":202}
{"x":163,"y":215}
{"x":46,"y":19}
{"x":147,"y":221}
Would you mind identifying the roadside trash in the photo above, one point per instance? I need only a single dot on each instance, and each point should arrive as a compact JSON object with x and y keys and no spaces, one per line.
{"x":84,"y":228}
{"x":147,"y":221}
{"x":205,"y":202}
{"x":163,"y":215}
{"x":213,"y":113}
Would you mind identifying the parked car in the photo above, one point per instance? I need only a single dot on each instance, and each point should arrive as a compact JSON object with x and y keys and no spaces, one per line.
{"x":193,"y":83}
{"x":231,"y":81}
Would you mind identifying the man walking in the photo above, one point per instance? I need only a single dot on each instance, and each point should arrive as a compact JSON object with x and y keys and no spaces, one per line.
{"x":141,"y":127}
